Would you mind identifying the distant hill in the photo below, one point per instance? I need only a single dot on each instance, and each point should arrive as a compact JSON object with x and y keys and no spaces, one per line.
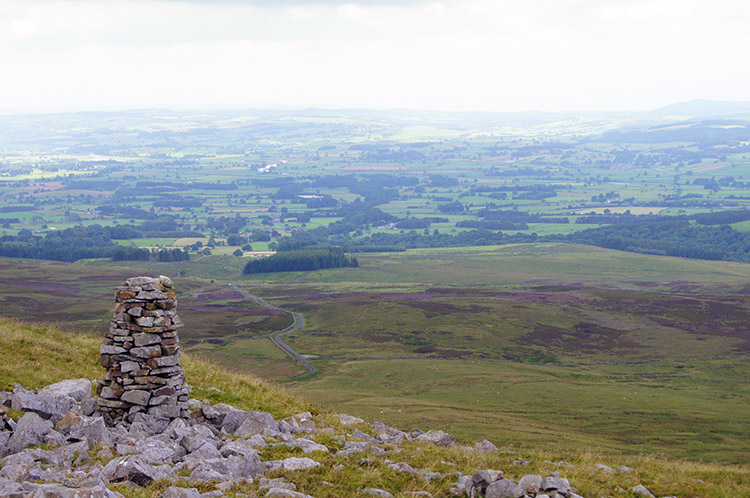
{"x":704,"y":108}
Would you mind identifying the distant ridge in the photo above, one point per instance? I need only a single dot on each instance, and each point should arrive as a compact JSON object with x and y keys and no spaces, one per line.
{"x":705,"y":108}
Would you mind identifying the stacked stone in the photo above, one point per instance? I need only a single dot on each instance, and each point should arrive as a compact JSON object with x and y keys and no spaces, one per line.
{"x":141,"y":352}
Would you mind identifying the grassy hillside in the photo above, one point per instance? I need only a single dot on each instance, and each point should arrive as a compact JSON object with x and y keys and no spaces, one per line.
{"x":37,"y":355}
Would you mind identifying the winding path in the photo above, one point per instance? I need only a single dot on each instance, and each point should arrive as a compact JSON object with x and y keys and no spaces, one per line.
{"x":276,"y":337}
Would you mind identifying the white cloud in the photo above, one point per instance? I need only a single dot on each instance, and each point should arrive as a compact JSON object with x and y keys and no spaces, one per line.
{"x":472,"y":54}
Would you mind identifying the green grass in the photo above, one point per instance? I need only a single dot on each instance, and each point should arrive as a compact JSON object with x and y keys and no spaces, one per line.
{"x":690,"y":410}
{"x":35,"y":355}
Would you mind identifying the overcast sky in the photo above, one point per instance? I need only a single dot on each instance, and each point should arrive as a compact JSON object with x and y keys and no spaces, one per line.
{"x":495,"y":55}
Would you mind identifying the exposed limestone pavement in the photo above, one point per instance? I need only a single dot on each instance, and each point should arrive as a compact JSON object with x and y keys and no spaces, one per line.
{"x":81,"y":456}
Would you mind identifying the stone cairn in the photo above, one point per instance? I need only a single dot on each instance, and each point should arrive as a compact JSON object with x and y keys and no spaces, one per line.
{"x":141,"y":352}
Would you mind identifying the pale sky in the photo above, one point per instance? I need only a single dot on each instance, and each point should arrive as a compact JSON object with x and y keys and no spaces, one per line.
{"x":472,"y":55}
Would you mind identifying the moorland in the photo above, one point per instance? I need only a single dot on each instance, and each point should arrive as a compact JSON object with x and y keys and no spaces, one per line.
{"x":543,"y":281}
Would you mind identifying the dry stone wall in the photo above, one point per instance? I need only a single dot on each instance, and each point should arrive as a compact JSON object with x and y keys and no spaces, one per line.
{"x":141,"y":352}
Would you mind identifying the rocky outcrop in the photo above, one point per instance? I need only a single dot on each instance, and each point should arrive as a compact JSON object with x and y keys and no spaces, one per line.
{"x":141,"y":352}
{"x":222,"y":446}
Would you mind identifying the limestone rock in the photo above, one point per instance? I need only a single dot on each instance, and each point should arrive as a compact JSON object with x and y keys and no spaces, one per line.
{"x":175,"y":492}
{"x":348,"y":419}
{"x":642,"y":490}
{"x":378,"y":492}
{"x":437,"y":437}
{"x":32,"y":490}
{"x":254,"y":423}
{"x":48,"y":407}
{"x":284,"y":493}
{"x":485,"y":446}
{"x":32,"y":430}
{"x":529,"y":484}
{"x":306,"y":445}
{"x":403,"y":467}
{"x":133,"y":469}
{"x":554,"y":483}
{"x":605,"y":468}
{"x":78,"y":389}
{"x":294,"y":463}
{"x":503,"y":488}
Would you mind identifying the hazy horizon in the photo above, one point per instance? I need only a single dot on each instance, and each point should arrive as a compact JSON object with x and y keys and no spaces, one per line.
{"x":473,"y":55}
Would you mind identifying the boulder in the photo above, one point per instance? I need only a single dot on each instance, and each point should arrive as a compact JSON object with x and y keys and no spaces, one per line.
{"x":348,"y":419}
{"x":282,"y":493}
{"x":363,"y":436}
{"x":306,"y":445}
{"x":70,"y":419}
{"x":93,"y":431}
{"x":78,"y":389}
{"x":302,"y":422}
{"x":298,"y":463}
{"x":48,"y":407}
{"x":10,"y":488}
{"x":605,"y":468}
{"x":464,"y":485}
{"x":503,"y":488}
{"x":255,"y":423}
{"x":132,"y":468}
{"x":437,"y":437}
{"x":403,"y":467}
{"x":175,"y":492}
{"x":485,"y":446}
{"x":529,"y":484}
{"x":33,"y":430}
{"x":240,"y":447}
{"x":207,"y":451}
{"x":554,"y":483}
{"x":377,"y":492}
{"x":642,"y":490}
{"x":482,"y":479}
{"x":32,"y":490}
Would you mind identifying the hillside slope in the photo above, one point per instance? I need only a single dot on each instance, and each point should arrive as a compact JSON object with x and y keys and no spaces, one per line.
{"x":36,"y":355}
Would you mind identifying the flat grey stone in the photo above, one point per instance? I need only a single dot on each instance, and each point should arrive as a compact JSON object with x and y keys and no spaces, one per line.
{"x":363,"y":436}
{"x":378,"y":492}
{"x":642,"y":490}
{"x":48,"y":407}
{"x":348,"y":419}
{"x":605,"y":468}
{"x":176,"y":492}
{"x":78,"y":389}
{"x":437,"y":437}
{"x":32,"y":490}
{"x":136,"y":397}
{"x":306,"y":445}
{"x":403,"y":467}
{"x":255,"y":423}
{"x":93,"y":431}
{"x":485,"y":446}
{"x":529,"y":482}
{"x":298,"y":463}
{"x":133,"y":469}
{"x":31,"y":430}
{"x":504,"y":488}
{"x":284,"y":493}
